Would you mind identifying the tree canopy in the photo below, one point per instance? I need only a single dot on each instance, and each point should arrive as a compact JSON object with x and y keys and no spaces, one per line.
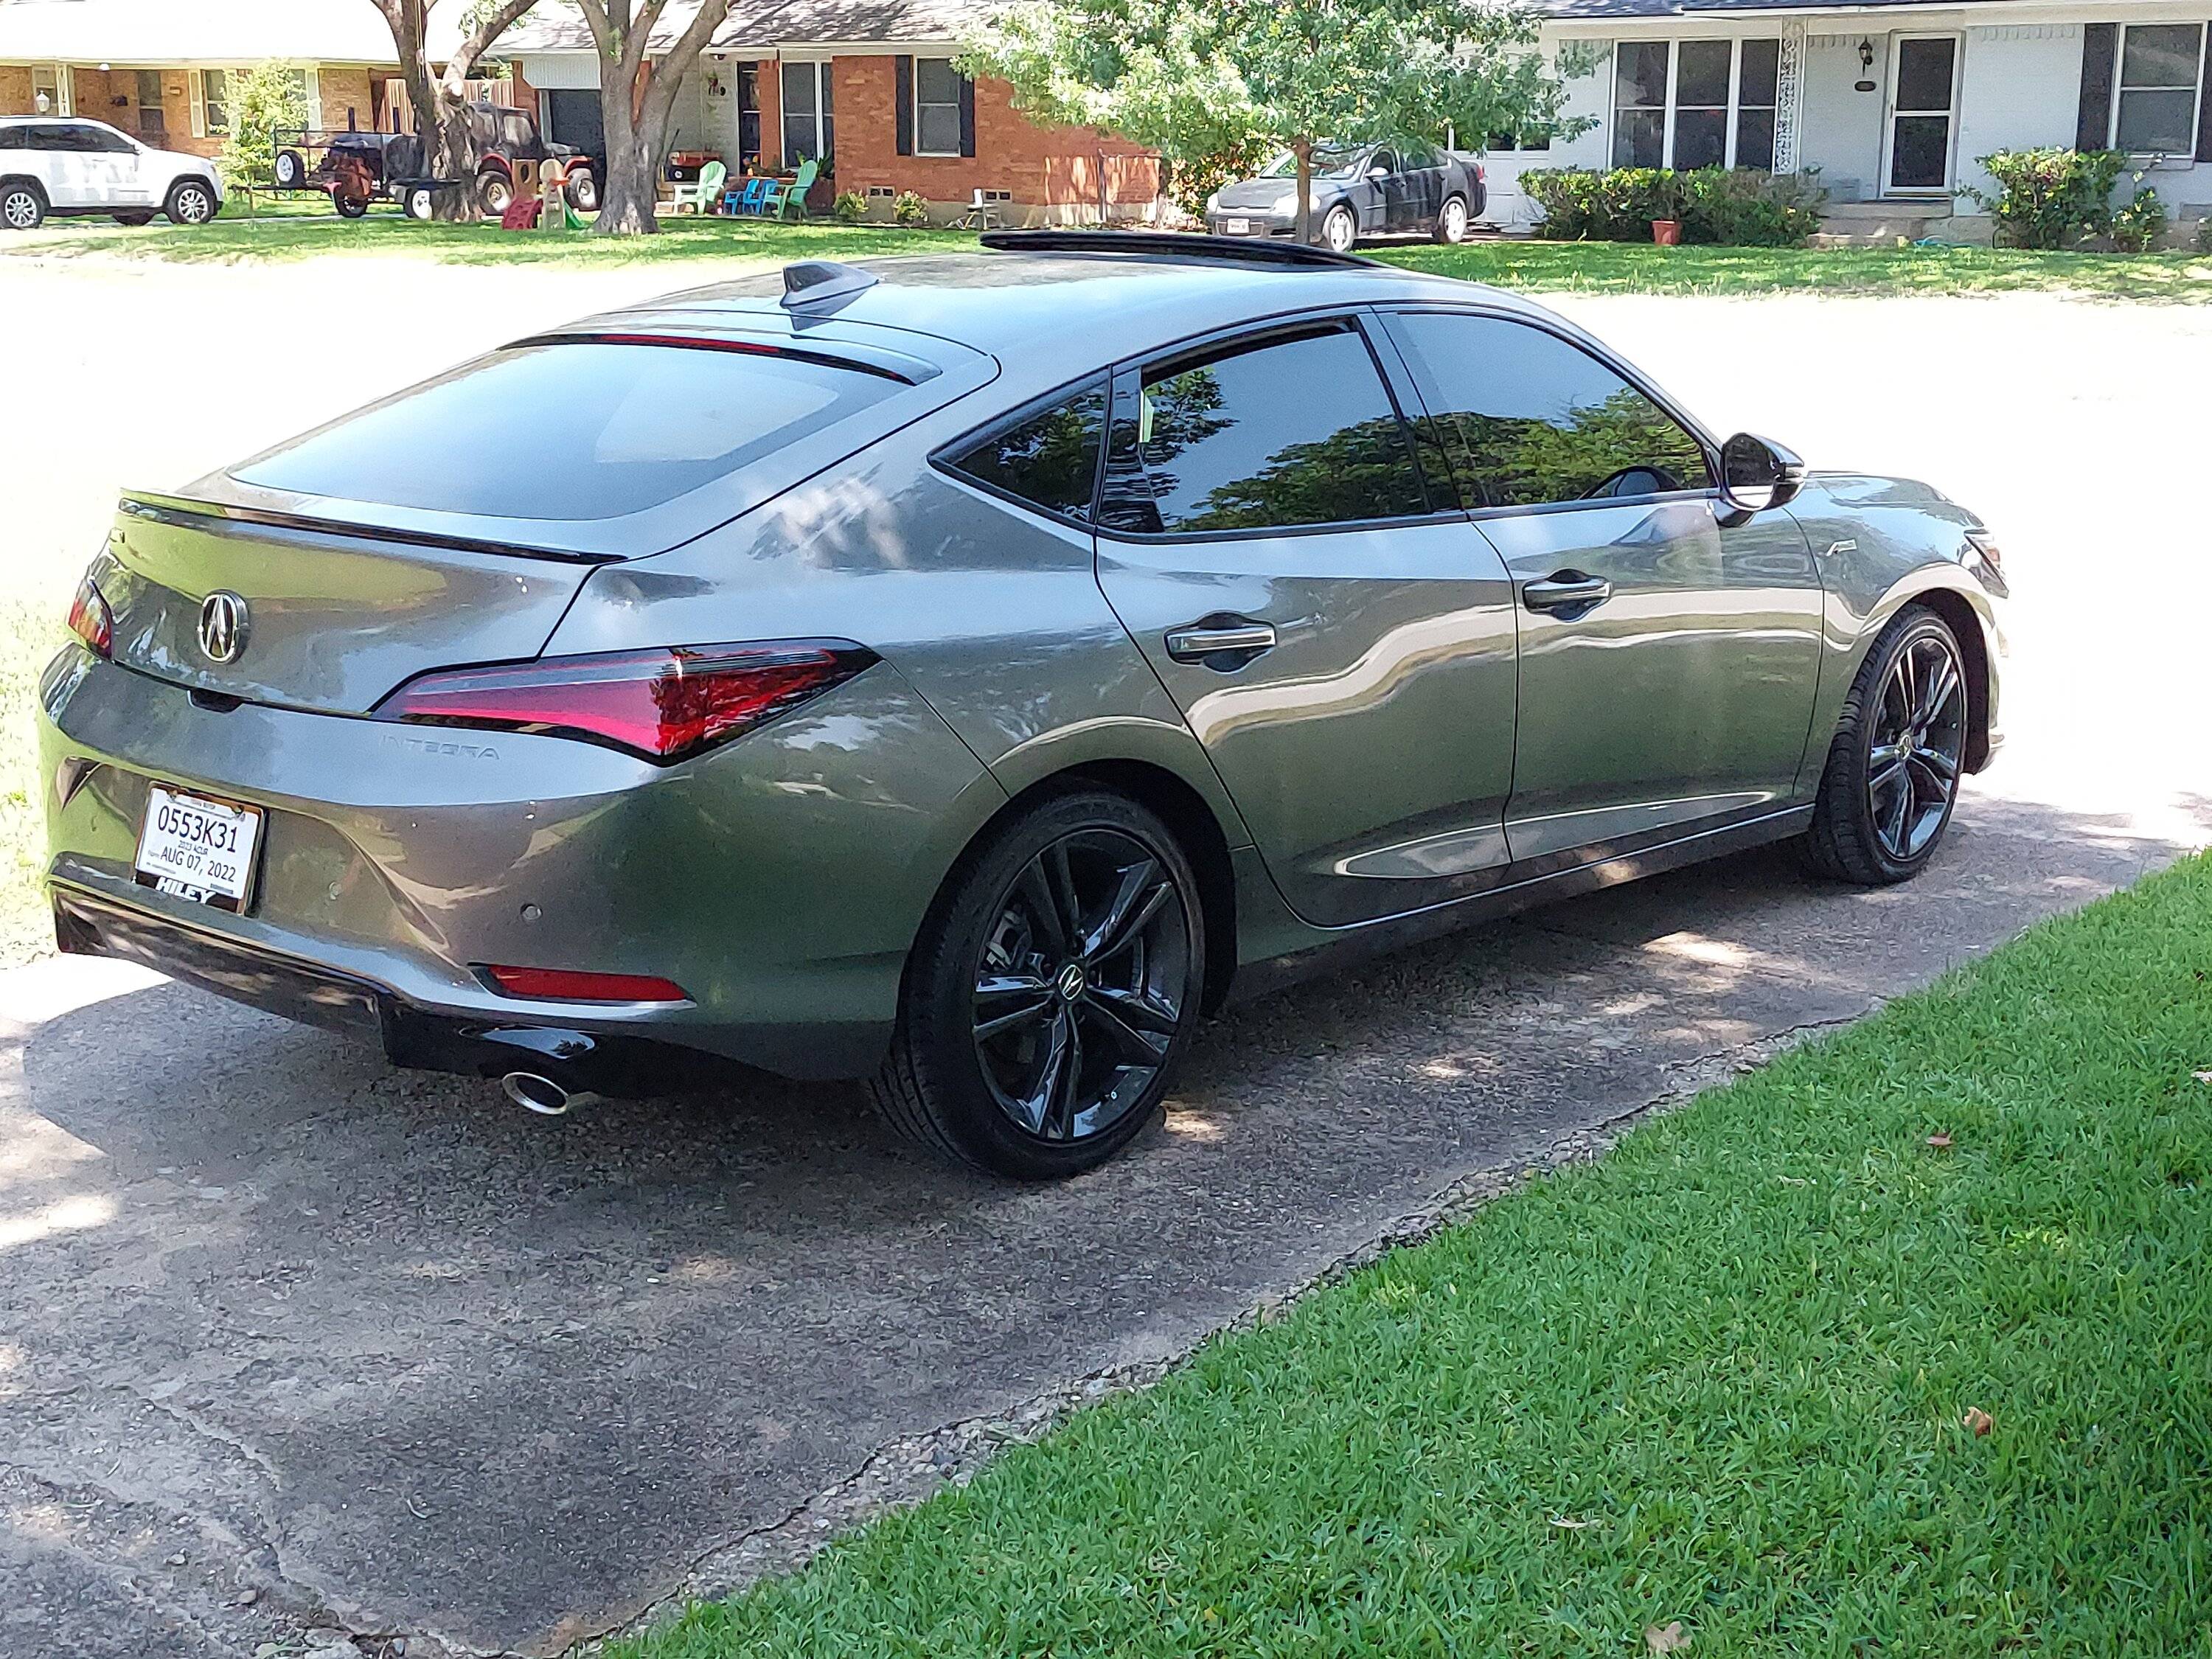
{"x":1200,"y":78}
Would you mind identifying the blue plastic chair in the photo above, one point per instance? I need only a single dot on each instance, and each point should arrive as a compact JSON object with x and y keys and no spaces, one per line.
{"x":746,"y":199}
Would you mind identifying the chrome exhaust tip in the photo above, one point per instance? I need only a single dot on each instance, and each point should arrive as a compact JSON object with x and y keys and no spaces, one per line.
{"x":537,"y":1094}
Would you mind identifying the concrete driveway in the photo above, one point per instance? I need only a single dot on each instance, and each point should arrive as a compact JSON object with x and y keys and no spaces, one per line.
{"x":292,"y":1343}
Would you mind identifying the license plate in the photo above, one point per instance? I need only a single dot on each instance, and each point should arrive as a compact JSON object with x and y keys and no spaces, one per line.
{"x":1236,"y":226}
{"x":192,"y":847}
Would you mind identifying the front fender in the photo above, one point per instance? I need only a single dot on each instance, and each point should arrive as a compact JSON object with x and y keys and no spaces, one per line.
{"x":1883,"y":543}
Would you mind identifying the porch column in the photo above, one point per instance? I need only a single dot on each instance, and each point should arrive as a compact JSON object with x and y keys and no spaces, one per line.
{"x":1790,"y":98}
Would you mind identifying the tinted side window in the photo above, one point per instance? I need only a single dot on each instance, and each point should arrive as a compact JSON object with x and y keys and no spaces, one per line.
{"x":104,"y":142}
{"x":1530,"y":419}
{"x":1262,"y":436}
{"x":1049,"y":459}
{"x":15,"y":138}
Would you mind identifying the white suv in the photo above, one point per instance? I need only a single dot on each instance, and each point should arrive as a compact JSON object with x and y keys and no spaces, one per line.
{"x":60,"y":165}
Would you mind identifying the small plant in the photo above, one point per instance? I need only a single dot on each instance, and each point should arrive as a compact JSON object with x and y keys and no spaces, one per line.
{"x":2204,"y":234}
{"x":2051,"y":198}
{"x":2139,"y":225}
{"x":909,"y":210}
{"x":262,"y":98}
{"x":850,"y":206}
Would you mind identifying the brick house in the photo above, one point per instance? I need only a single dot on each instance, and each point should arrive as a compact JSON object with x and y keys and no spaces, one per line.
{"x":869,"y":84}
{"x":160,"y":69}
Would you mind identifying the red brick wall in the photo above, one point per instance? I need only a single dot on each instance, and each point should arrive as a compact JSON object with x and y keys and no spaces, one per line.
{"x":1043,"y":168}
{"x":95,"y":95}
{"x":15,"y":89}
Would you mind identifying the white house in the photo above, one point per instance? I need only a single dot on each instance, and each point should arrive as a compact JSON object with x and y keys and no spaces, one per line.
{"x":1890,"y":100}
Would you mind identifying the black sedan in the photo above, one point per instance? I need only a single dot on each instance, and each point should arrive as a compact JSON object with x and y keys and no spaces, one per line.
{"x":1372,"y":191}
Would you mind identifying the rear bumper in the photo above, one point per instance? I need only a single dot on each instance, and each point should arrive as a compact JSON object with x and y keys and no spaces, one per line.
{"x":602,"y":1063}
{"x":779,"y":880}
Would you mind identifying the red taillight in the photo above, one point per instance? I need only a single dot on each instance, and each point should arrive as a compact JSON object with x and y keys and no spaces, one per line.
{"x":89,"y":619}
{"x":663,"y":705}
{"x":560,"y":985}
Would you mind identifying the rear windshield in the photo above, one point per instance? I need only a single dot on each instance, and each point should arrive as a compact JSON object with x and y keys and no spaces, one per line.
{"x":573,"y":431}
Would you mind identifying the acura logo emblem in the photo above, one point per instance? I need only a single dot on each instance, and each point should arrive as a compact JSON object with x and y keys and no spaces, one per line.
{"x":223,"y":627}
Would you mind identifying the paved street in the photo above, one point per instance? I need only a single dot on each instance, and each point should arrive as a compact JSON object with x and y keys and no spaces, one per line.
{"x":289,"y":1339}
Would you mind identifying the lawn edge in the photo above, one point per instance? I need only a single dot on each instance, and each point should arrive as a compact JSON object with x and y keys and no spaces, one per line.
{"x":907,"y":1470}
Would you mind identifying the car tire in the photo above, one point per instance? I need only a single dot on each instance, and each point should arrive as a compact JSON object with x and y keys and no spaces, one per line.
{"x":350,"y":207}
{"x":1340,"y":231}
{"x":421,"y":203}
{"x":1891,"y":782}
{"x":583,"y":191}
{"x":22,"y":206}
{"x":494,"y":194}
{"x":995,"y":1089}
{"x":191,"y":202}
{"x":134,"y":220}
{"x":1451,"y":221}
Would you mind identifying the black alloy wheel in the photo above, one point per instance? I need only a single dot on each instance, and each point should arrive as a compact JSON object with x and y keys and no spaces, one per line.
{"x":1892,"y":780}
{"x":1050,"y":992}
{"x":1080,"y":984}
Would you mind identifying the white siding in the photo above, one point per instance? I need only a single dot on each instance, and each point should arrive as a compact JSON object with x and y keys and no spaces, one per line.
{"x":561,"y":71}
{"x":1839,"y":131}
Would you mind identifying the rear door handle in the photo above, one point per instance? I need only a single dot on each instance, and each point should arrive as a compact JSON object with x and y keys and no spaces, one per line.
{"x":1566,"y":590}
{"x":1218,"y":636}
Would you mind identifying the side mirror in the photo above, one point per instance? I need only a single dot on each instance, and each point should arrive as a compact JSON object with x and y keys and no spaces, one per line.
{"x":1756,"y":474}
{"x":1378,"y":174}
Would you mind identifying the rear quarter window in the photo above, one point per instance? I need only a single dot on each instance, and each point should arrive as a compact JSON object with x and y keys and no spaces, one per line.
{"x":571,"y":430}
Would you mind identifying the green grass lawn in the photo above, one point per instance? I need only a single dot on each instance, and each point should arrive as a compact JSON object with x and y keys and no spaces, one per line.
{"x":30,"y":635}
{"x":296,"y":230}
{"x":287,"y":230}
{"x":1720,"y":1377}
{"x":1623,"y":268}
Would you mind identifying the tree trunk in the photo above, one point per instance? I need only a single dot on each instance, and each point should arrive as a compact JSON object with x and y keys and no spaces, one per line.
{"x":1303,"y":149}
{"x":457,"y":154}
{"x":631,"y":191}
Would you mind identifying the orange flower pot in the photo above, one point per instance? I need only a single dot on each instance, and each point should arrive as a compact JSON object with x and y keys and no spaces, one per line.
{"x":1667,"y":233}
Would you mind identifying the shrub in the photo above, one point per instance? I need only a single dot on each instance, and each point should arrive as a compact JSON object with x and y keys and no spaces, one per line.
{"x":263,"y":98}
{"x":910,"y":208}
{"x":2050,"y":198}
{"x":850,"y":206}
{"x":2140,"y":225}
{"x":1745,"y":208}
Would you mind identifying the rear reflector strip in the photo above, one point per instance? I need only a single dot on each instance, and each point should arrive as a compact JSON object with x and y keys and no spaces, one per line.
{"x":563,"y":985}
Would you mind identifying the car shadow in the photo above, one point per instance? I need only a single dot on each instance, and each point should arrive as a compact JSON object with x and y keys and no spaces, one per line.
{"x":398,"y":1323}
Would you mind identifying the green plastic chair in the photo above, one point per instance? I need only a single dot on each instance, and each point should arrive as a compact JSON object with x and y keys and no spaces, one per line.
{"x":704,"y":195}
{"x":782,"y":199}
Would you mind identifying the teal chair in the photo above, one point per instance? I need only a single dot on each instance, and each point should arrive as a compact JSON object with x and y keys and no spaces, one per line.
{"x":744,"y":200}
{"x":780,"y":198}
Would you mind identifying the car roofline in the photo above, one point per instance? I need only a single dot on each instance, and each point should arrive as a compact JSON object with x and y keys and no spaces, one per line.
{"x":1174,"y":244}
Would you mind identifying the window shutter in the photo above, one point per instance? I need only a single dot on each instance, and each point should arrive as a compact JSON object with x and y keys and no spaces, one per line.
{"x":903,"y":66}
{"x":2205,"y":100}
{"x":967,"y":116}
{"x":2100,"y":48}
{"x":200,"y":102}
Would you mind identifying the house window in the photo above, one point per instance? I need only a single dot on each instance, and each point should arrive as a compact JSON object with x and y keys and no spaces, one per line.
{"x":1695,"y":103}
{"x":936,"y":106}
{"x":216,"y":93}
{"x":809,"y":126}
{"x":2156,"y":112}
{"x":151,"y":125}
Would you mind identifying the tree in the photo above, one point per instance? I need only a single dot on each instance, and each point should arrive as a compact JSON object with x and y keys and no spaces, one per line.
{"x":637,"y":95}
{"x":261,"y":100}
{"x":1196,"y":79}
{"x":453,"y":146}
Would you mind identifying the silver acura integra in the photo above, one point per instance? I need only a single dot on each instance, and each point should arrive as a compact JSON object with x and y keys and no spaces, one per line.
{"x":965,"y":671}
